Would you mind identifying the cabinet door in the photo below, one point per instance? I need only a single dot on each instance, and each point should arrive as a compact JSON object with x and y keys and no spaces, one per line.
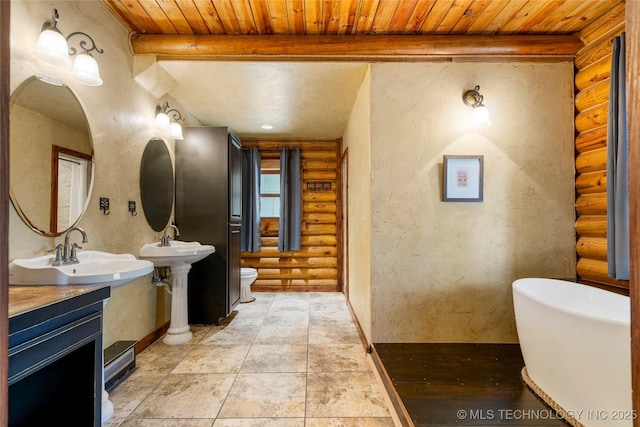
{"x":234,"y":266}
{"x":235,"y":179}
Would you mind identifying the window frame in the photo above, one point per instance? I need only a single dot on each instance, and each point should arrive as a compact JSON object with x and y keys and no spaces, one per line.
{"x":269,"y":169}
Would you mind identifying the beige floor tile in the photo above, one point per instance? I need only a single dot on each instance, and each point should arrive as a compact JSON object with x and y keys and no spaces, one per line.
{"x":199,"y":332}
{"x":333,"y":334}
{"x":282,"y":334}
{"x":250,"y":318}
{"x":186,"y":396}
{"x":271,"y":363}
{"x":292,"y":296}
{"x":338,"y":358}
{"x":206,"y":359}
{"x":160,"y":357}
{"x":349,"y":422}
{"x":130,"y":393}
{"x":114,"y":422}
{"x":291,"y":317}
{"x":330,"y":311}
{"x":260,"y":422}
{"x":276,"y":358}
{"x":232,"y":334}
{"x":257,"y":308}
{"x":264,"y":297}
{"x":266,"y":395}
{"x":167,"y":423}
{"x":344,"y":394}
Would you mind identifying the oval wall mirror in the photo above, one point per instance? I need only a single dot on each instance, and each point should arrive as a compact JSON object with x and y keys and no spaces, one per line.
{"x":51,"y":157}
{"x":156,"y":184}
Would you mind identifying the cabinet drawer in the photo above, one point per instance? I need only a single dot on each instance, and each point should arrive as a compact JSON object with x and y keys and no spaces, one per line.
{"x":38,"y":352}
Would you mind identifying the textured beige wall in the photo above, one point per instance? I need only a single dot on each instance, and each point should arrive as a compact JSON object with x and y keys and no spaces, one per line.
{"x":357,"y":139}
{"x":120,"y":115}
{"x":442,"y":272}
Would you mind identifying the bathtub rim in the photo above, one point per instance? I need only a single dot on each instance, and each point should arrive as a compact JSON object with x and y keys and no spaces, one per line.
{"x":554,"y":305}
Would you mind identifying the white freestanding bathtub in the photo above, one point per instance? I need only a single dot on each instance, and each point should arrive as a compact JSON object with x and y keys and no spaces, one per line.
{"x":576,"y":345}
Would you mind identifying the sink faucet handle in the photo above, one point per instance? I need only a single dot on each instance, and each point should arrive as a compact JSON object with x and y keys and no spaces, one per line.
{"x":73,"y":258}
{"x":58,"y":250}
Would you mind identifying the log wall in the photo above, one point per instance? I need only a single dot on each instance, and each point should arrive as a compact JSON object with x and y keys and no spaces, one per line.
{"x":593,"y":64}
{"x":316,"y":267}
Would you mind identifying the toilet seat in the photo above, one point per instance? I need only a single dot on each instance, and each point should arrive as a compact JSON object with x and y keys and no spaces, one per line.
{"x":245,"y":272}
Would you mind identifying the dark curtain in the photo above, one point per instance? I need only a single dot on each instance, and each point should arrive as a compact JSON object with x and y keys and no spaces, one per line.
{"x":290,"y":200}
{"x":618,"y":167}
{"x":250,"y":232}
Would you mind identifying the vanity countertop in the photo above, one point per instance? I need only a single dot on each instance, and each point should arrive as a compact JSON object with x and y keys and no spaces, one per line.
{"x":24,"y":299}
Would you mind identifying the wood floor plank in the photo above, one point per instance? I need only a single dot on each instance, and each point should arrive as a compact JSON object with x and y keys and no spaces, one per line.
{"x":461,"y":384}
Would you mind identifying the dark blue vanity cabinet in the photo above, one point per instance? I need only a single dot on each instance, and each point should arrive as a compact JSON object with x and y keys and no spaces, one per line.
{"x":55,"y":355}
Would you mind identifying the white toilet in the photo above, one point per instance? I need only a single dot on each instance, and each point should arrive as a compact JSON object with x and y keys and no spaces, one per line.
{"x":247,"y":277}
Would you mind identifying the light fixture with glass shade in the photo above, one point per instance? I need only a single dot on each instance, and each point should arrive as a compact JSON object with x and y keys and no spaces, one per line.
{"x":480,"y":114}
{"x":53,"y":49}
{"x":163,"y":125}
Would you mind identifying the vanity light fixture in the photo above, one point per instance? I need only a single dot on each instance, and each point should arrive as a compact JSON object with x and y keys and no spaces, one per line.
{"x":163,"y":124}
{"x":480,"y":115}
{"x":53,"y":49}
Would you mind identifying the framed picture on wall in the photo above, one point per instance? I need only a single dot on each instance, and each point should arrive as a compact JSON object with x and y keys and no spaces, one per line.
{"x":462,"y":178}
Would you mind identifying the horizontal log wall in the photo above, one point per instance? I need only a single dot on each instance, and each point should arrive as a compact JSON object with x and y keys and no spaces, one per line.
{"x":316,"y":266}
{"x":593,"y":67}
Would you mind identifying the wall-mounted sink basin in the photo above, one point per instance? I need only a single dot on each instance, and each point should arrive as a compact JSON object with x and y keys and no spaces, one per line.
{"x":94,"y":268}
{"x":176,"y":254}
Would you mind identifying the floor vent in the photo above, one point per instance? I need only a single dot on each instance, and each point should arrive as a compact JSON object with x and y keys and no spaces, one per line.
{"x":119,"y":362}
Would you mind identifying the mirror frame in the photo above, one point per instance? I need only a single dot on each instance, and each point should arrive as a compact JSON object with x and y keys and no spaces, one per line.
{"x":39,"y":229}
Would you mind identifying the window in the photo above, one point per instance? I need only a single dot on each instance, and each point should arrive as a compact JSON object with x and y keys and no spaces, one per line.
{"x":270,"y":188}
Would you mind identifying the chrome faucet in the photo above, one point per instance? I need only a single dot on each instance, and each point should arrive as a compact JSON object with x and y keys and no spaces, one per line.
{"x":69,"y":251}
{"x":164,"y":240}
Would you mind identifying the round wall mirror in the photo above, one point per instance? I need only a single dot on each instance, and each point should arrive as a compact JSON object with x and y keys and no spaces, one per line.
{"x":156,"y":184}
{"x":51,"y":157}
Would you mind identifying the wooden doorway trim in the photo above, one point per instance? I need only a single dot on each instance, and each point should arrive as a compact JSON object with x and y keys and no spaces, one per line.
{"x":632,"y":13}
{"x":4,"y":210}
{"x":344,"y":220}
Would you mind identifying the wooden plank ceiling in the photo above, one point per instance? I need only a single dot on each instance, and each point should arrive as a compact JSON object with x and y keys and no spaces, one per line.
{"x":359,"y":17}
{"x":343,"y":29}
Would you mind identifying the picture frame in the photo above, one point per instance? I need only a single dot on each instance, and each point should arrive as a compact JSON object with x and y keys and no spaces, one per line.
{"x":462,"y":178}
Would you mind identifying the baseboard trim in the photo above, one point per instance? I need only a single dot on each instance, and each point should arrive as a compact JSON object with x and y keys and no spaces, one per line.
{"x":403,"y":416}
{"x":363,"y":337}
{"x":151,"y":338}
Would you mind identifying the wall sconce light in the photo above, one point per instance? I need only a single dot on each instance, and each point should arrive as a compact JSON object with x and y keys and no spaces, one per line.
{"x":480,"y":115}
{"x":53,"y":48}
{"x":163,"y":124}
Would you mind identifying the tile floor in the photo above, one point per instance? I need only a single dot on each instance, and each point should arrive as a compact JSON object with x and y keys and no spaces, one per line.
{"x":284,"y":360}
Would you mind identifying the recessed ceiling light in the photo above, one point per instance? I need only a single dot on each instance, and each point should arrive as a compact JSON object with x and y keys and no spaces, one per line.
{"x":266,"y":127}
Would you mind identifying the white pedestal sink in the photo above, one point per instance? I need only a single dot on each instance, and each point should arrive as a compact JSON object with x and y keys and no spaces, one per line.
{"x":94,"y":268}
{"x":178,"y":256}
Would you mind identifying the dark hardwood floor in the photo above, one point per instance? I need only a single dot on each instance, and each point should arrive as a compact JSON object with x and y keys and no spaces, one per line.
{"x":460,"y":385}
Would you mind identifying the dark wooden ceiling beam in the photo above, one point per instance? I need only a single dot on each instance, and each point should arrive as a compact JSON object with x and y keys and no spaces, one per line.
{"x":391,"y":48}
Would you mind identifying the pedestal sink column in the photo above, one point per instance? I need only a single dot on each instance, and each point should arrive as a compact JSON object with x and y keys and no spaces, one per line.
{"x":179,"y":331}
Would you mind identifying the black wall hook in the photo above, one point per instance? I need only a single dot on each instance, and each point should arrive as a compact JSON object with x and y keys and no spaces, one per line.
{"x":104,"y":205}
{"x":132,"y":207}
